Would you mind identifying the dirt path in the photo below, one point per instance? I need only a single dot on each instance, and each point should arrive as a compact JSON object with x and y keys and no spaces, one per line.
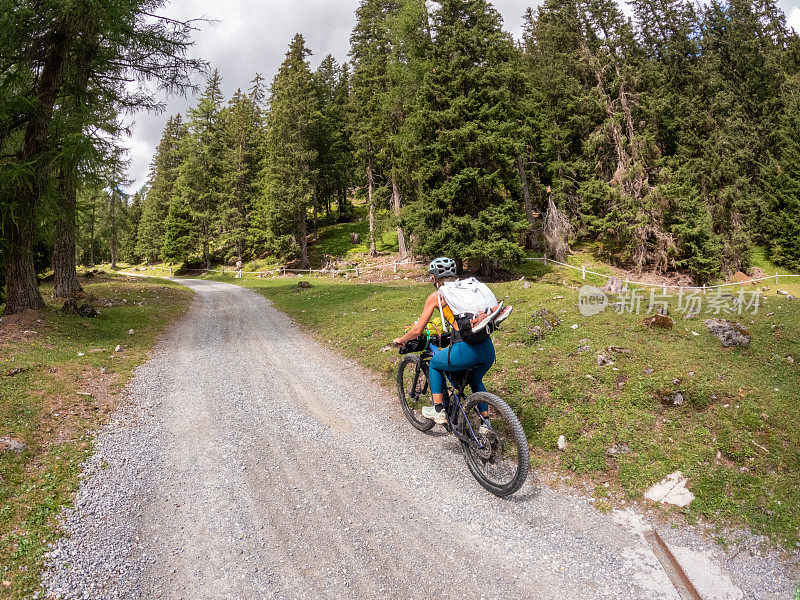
{"x":253,"y":463}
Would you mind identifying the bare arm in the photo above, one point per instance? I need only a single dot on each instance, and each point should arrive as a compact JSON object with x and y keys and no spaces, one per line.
{"x":431,"y":304}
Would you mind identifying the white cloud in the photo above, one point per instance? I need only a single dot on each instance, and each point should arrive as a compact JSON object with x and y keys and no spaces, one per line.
{"x":793,"y":18}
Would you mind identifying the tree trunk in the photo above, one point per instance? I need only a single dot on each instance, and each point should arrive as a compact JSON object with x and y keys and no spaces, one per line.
{"x":22,"y":287}
{"x":373,"y":250}
{"x":303,"y":240}
{"x":402,"y":248}
{"x":91,"y":238}
{"x":526,"y":193}
{"x":314,"y":201}
{"x":113,"y":240}
{"x":65,"y":278}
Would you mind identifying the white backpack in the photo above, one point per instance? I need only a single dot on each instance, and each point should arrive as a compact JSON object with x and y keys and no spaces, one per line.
{"x":466,"y":298}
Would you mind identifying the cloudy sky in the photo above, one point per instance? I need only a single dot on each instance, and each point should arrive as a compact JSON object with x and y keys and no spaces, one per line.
{"x":251,"y":36}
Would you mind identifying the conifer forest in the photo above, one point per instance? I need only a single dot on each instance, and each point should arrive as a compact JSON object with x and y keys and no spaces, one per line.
{"x":662,"y":134}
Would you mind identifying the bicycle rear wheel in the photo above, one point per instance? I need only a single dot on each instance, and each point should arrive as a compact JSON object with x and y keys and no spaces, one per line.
{"x":414,"y":397}
{"x":497,"y":450}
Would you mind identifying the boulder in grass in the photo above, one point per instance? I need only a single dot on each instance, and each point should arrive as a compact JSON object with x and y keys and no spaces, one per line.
{"x":12,"y":445}
{"x":660,"y":321}
{"x":302,"y":285}
{"x":613,"y":286}
{"x":730,"y":333}
{"x":756,"y":273}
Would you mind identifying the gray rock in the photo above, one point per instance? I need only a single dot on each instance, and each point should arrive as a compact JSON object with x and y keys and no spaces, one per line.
{"x":562,"y":443}
{"x":673,"y":399}
{"x":603,"y":360}
{"x":118,"y":348}
{"x":614,"y":285}
{"x":355,"y":238}
{"x":131,"y":332}
{"x":618,"y":449}
{"x":730,"y":333}
{"x":583,"y":349}
{"x":12,"y":445}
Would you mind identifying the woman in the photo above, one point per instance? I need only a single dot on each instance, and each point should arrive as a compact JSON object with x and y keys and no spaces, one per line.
{"x":461,"y":355}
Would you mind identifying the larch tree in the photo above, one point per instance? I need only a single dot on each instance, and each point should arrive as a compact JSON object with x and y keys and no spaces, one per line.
{"x":116,"y":41}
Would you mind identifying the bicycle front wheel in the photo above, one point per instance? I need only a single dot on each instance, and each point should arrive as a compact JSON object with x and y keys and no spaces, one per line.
{"x":497,"y":449}
{"x":414,"y":391}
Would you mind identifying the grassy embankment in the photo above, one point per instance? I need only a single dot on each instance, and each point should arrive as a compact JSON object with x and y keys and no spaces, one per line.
{"x":51,"y":398}
{"x":736,"y":435}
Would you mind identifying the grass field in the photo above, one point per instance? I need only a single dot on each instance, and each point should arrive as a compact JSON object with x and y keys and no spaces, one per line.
{"x":51,"y":398}
{"x":736,"y":435}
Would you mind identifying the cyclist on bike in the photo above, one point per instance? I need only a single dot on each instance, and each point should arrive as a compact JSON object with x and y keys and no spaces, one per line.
{"x":461,"y":355}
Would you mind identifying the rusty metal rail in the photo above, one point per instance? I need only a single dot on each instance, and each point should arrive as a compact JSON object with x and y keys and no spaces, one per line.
{"x":674,"y":571}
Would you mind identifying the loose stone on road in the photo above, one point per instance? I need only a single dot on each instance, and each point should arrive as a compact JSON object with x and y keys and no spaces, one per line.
{"x":253,"y":463}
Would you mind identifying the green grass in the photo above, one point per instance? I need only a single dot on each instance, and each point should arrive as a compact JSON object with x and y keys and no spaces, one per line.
{"x":334,"y":240}
{"x":736,"y":436}
{"x":41,"y":406}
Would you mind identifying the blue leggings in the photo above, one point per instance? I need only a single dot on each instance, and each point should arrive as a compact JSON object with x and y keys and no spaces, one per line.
{"x":459,"y":357}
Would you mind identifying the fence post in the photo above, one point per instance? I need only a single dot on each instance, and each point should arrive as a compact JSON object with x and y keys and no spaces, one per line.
{"x":625,"y":287}
{"x":170,"y":270}
{"x":776,"y":278}
{"x":357,"y":271}
{"x":583,"y":271}
{"x":664,"y":289}
{"x":545,"y":260}
{"x":223,"y":271}
{"x":704,"y":289}
{"x":283,"y":272}
{"x":395,"y":266}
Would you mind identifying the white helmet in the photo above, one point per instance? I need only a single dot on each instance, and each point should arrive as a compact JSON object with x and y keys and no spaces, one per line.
{"x":442,"y":267}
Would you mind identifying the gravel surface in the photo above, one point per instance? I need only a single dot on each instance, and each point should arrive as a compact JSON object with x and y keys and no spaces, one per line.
{"x":253,"y":463}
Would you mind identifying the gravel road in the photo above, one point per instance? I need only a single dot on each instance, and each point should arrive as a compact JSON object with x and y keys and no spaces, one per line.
{"x":252,"y":463}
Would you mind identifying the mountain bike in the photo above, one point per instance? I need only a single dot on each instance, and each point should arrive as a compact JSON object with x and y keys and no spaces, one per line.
{"x":494,"y":443}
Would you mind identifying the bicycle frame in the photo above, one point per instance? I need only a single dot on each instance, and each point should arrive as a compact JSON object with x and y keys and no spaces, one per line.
{"x":451,"y":392}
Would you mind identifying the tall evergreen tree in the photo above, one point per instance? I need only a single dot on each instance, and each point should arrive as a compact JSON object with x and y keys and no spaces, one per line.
{"x":160,"y":189}
{"x":469,"y":183}
{"x":287,"y":176}
{"x":370,"y":54}
{"x":199,"y":179}
{"x":242,"y":129}
{"x":334,"y":151}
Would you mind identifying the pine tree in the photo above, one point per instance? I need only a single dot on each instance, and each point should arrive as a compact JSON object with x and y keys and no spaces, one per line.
{"x":469,"y":184}
{"x":370,"y":54}
{"x":242,"y":128}
{"x":334,"y":163}
{"x":133,"y":215}
{"x":180,"y":233}
{"x":199,"y":175}
{"x":287,"y":176}
{"x":160,"y":189}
